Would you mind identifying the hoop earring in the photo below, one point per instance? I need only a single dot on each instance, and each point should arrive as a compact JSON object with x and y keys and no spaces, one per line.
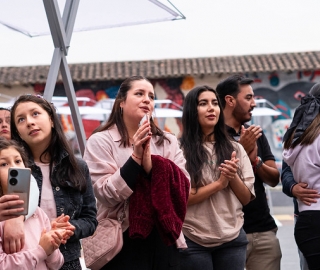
{"x":121,"y":110}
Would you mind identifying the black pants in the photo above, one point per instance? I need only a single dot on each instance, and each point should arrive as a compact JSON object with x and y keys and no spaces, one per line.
{"x":307,"y":235}
{"x":145,"y":254}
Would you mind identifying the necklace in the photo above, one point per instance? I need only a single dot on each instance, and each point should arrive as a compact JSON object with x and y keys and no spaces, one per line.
{"x":131,"y":139}
{"x":212,"y":161}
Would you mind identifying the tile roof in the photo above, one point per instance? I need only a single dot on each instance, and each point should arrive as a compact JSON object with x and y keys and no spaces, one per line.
{"x":152,"y":69}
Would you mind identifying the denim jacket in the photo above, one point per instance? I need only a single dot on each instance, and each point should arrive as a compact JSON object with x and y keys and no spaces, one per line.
{"x":287,"y":184}
{"x":80,"y":207}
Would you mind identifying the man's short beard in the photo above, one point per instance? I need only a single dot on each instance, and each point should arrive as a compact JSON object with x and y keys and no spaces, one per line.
{"x":237,"y":115}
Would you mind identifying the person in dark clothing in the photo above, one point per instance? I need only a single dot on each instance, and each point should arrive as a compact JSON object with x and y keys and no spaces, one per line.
{"x":301,"y":151}
{"x":237,"y":98}
{"x":297,"y":191}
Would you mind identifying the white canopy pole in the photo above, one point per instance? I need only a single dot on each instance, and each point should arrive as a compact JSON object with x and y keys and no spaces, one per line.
{"x":61,"y":32}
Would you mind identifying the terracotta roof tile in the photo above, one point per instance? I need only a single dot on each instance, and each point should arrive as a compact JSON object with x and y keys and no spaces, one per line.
{"x":165,"y":68}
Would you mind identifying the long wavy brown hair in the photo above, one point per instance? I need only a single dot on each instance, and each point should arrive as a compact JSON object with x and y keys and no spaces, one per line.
{"x":116,"y":115}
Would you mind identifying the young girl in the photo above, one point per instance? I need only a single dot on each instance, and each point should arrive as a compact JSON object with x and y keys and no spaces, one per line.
{"x":64,"y":180}
{"x":41,"y":246}
{"x":8,"y":201}
{"x":222,"y":182}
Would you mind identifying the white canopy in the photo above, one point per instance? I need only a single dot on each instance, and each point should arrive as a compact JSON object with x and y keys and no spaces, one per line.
{"x":35,"y":17}
{"x":5,"y":105}
{"x":29,"y":16}
{"x":102,"y":109}
{"x":158,"y":113}
{"x":84,"y":110}
{"x":265,"y":108}
{"x":165,"y":112}
{"x":263,"y":111}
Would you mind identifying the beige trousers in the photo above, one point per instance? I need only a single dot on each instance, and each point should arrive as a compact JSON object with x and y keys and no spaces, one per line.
{"x":263,"y":251}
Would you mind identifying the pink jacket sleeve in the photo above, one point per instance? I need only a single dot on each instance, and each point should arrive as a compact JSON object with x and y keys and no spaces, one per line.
{"x":55,"y":260}
{"x":30,"y":259}
{"x":105,"y":157}
{"x":33,"y":255}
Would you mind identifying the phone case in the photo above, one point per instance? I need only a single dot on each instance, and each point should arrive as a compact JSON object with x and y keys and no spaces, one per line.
{"x":19,"y":183}
{"x":144,"y":118}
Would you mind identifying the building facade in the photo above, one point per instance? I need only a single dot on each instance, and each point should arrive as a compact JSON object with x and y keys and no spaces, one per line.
{"x":281,"y":79}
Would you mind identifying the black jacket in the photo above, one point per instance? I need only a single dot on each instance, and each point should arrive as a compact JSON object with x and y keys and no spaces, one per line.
{"x":69,"y":201}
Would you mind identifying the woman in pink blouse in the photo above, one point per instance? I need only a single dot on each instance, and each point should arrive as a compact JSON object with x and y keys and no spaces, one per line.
{"x":128,"y":161}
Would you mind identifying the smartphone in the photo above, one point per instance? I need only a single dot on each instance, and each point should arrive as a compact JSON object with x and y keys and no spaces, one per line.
{"x":19,"y":184}
{"x":144,"y":118}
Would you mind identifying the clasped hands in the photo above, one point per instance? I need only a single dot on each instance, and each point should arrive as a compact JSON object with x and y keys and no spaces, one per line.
{"x":61,"y":231}
{"x":141,"y":146}
{"x":248,"y":139}
{"x":228,"y":170}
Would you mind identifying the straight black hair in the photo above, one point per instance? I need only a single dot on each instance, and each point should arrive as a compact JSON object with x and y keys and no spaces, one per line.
{"x":192,"y":138}
{"x":231,"y":86}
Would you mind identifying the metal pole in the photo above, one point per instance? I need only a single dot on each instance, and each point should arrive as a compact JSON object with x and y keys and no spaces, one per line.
{"x":61,"y":32}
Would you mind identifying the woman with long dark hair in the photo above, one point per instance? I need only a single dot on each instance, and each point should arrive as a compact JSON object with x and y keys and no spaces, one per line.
{"x":144,"y":166}
{"x":221,"y":183}
{"x":64,"y":181}
{"x":301,"y":153}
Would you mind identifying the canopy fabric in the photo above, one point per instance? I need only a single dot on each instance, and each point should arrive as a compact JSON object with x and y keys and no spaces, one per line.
{"x":263,"y":111}
{"x":5,"y":105}
{"x":29,"y":16}
{"x":84,"y":110}
{"x":158,"y":113}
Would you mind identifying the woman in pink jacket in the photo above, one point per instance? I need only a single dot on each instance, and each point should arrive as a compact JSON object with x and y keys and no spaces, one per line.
{"x":120,"y":156}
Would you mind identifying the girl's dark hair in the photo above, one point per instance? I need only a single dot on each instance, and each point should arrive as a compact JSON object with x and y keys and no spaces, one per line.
{"x":192,"y":138}
{"x":68,"y":172}
{"x":4,"y":109}
{"x":307,"y":137}
{"x":5,"y":144}
{"x":116,"y":115}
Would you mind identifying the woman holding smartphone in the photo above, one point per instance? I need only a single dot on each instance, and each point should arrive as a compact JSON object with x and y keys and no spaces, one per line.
{"x":127,"y":162}
{"x":64,"y":181}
